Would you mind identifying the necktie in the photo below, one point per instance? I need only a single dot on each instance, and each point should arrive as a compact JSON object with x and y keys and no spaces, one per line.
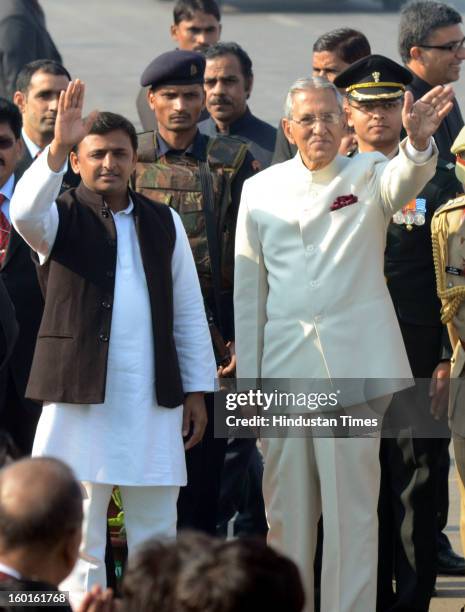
{"x":5,"y":229}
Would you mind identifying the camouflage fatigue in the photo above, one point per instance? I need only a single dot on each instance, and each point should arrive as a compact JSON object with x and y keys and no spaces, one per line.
{"x":175,"y":180}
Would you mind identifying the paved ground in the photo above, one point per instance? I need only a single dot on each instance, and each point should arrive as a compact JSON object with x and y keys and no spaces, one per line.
{"x":108,"y":43}
{"x":451,"y":590}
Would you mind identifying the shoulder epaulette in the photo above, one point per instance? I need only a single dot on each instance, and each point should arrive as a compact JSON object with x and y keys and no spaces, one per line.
{"x":453,"y":204}
{"x":146,"y":144}
{"x":226,"y":151}
{"x":442,"y":164}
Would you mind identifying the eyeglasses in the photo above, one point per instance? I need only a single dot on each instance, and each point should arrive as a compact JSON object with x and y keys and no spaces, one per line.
{"x":370,"y":107}
{"x":451,"y":47}
{"x":326,"y":118}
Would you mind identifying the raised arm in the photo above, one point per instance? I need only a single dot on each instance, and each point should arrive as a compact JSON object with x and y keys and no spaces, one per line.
{"x":405,"y":175}
{"x":422,"y":118}
{"x":33,"y":209}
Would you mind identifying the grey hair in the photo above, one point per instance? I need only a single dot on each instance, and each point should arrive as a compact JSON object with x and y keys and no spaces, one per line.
{"x":419,"y":19}
{"x":307,"y":83}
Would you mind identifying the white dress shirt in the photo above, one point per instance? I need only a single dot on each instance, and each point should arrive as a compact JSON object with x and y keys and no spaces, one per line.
{"x":129,"y":439}
{"x":7,"y":191}
{"x":31,"y":146}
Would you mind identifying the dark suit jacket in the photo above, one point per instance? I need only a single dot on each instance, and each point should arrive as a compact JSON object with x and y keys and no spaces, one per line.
{"x":23,"y":38}
{"x":260,"y":135}
{"x":450,"y":126}
{"x":19,"y":275}
{"x":8,"y":325}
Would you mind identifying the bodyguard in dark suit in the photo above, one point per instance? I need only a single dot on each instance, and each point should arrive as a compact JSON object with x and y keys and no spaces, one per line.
{"x":39,"y":85}
{"x":228,"y":85}
{"x":431,"y":46}
{"x":23,"y":38}
{"x":17,"y":415}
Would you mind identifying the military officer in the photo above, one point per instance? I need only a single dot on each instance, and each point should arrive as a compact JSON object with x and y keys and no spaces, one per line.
{"x":375,"y":88}
{"x":448,"y":230}
{"x":201,"y":177}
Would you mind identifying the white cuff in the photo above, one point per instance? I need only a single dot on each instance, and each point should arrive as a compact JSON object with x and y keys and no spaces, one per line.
{"x":419,"y":157}
{"x":44,"y":156}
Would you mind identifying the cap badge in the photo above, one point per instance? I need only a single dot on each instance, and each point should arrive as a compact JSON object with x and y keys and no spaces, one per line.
{"x":193,"y":69}
{"x":376,"y":76}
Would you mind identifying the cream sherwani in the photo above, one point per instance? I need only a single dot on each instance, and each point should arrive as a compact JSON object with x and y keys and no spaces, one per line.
{"x":311,"y":302}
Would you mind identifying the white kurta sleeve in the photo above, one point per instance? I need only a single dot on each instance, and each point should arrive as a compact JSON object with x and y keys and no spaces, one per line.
{"x":250,"y":293}
{"x":191,"y":333}
{"x":33,"y":209}
{"x":403,"y":177}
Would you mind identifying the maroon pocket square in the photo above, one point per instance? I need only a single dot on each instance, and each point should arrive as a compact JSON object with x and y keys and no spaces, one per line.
{"x":342,"y":201}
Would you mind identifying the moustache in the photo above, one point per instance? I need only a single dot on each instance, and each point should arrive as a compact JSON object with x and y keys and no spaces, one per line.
{"x":214,"y":100}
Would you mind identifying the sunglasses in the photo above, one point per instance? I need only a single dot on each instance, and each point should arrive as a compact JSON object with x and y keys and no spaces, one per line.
{"x":6,"y":143}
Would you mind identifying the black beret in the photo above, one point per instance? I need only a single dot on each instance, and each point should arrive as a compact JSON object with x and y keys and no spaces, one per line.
{"x":374,"y":77}
{"x":174,"y":68}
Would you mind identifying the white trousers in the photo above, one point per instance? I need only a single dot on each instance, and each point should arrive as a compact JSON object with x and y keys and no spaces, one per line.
{"x":339,"y":477}
{"x":148,"y":512}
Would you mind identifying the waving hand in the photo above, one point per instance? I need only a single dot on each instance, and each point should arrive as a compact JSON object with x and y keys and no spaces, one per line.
{"x":423,"y":117}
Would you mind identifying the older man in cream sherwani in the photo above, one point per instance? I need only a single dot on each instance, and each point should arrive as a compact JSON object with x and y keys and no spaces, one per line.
{"x":311,"y":303}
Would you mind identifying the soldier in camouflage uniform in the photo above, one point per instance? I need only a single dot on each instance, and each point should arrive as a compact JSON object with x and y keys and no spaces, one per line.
{"x":201,"y":177}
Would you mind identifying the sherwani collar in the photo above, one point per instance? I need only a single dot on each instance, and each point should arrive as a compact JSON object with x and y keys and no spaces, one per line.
{"x":322,"y":176}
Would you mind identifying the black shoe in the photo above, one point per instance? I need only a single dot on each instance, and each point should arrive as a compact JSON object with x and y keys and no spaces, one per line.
{"x":450,"y":563}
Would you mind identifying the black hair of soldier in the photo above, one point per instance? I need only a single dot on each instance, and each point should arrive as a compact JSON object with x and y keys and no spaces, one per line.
{"x":23,"y":80}
{"x":107,"y":122}
{"x":348,"y":44}
{"x":10,"y":114}
{"x":221,"y":49}
{"x":184,"y":9}
{"x":419,"y":19}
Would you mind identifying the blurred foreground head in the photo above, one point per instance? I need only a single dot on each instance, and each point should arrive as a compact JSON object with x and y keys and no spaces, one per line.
{"x":40,"y":518}
{"x":197,"y":573}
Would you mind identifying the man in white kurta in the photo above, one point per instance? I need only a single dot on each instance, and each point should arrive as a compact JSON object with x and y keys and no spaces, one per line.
{"x":129,"y":440}
{"x":311,"y":302}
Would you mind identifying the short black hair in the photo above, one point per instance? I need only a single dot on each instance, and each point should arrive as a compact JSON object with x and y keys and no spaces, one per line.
{"x":419,"y":19}
{"x":107,"y":122}
{"x":231,"y":48}
{"x":52,"y":517}
{"x":9,"y":113}
{"x":348,"y":44}
{"x":23,"y":80}
{"x":198,"y":573}
{"x":184,"y":9}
